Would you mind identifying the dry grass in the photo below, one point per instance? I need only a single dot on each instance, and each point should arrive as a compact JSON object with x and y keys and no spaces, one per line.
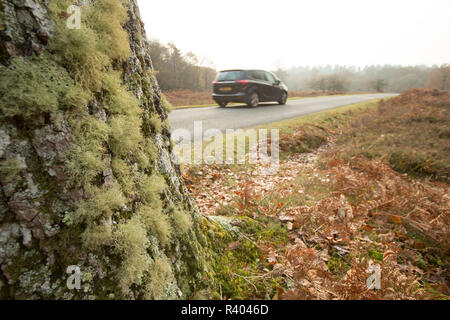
{"x":410,"y":132}
{"x":343,"y":211}
{"x":186,"y":97}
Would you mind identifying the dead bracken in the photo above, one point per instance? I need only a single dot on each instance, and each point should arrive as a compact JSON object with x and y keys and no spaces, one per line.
{"x":341,"y":214}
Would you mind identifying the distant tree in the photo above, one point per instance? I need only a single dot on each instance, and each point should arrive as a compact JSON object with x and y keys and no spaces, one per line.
{"x":378,"y":85}
{"x":178,"y":71}
{"x":397,"y":78}
{"x":318,"y":83}
{"x":439,"y":78}
{"x":337,"y":82}
{"x":333,"y":82}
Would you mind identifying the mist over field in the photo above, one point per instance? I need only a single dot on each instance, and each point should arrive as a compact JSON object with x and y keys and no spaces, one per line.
{"x":321,"y":46}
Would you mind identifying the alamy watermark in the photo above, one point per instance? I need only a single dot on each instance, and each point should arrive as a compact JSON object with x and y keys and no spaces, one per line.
{"x":74,"y":279}
{"x":73,"y":17}
{"x":233,"y":146}
{"x":374,"y":280}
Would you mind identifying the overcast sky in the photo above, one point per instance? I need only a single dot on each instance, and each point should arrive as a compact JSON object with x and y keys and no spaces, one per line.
{"x":262,"y":33}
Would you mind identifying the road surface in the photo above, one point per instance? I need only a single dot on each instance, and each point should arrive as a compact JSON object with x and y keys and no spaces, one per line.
{"x":241,"y":117}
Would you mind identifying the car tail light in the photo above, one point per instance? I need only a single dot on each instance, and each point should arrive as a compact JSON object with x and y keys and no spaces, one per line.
{"x":242,"y":81}
{"x":214,"y":82}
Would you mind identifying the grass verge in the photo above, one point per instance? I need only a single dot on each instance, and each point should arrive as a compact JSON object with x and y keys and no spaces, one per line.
{"x":240,"y":104}
{"x":340,"y":212}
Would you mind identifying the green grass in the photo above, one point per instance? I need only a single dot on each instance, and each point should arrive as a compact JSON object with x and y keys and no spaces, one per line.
{"x":330,"y":117}
{"x":314,"y":129}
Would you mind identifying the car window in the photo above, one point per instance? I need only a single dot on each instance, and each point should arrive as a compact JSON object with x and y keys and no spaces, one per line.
{"x":230,"y":75}
{"x":270,"y":77}
{"x":253,"y":75}
{"x":257,"y":75}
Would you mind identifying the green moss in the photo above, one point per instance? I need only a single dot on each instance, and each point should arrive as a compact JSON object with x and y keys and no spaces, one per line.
{"x":10,"y":168}
{"x":131,"y":241}
{"x":160,"y":277}
{"x":143,"y":159}
{"x":150,"y":188}
{"x":87,"y":51}
{"x":182,"y":221}
{"x":156,"y":223}
{"x":76,"y":50}
{"x":29,"y":86}
{"x":165,"y":104}
{"x":123,"y":171}
{"x":84,"y":160}
{"x":125,"y":137}
{"x":97,"y":236}
{"x":118,"y":100}
{"x":234,"y":269}
{"x":155,"y":123}
{"x":337,"y":266}
{"x":106,"y":18}
{"x":150,"y":152}
{"x":102,"y":203}
{"x":76,"y":99}
{"x":374,"y":254}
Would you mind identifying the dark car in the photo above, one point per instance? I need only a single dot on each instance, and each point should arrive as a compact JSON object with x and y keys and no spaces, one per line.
{"x":248,"y":86}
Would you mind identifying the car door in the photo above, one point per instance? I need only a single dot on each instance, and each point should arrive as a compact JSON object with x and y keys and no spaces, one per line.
{"x":265,"y":87}
{"x":275,"y":89}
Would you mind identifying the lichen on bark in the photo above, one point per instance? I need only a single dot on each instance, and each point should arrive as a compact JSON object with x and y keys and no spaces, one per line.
{"x":87,"y":177}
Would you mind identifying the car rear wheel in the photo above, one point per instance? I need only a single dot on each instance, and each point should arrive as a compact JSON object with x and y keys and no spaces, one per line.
{"x":253,"y":101}
{"x":223,"y":104}
{"x":283,"y":98}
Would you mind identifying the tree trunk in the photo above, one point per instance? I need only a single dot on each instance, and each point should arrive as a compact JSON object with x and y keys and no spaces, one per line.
{"x":86,"y":169}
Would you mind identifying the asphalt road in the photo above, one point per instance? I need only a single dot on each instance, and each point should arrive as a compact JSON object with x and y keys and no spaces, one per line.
{"x":241,"y":117}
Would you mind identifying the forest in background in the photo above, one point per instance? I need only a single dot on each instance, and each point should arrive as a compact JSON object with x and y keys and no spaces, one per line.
{"x":186,"y":81}
{"x":176,"y":70}
{"x":387,"y":78}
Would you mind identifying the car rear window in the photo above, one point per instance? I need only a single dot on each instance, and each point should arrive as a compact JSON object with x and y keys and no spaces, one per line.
{"x":230,"y":75}
{"x":257,"y":75}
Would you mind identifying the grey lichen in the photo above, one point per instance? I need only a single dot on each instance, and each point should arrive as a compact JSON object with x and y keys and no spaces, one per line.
{"x":87,"y":176}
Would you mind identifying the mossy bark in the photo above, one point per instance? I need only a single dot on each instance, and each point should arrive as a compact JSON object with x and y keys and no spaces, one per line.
{"x":50,"y":220}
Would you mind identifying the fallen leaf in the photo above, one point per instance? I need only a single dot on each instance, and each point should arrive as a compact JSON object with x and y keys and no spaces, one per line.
{"x":396,"y":219}
{"x":419,"y":245}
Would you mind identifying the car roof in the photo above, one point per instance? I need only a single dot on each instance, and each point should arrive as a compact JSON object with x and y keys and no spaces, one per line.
{"x":243,"y":70}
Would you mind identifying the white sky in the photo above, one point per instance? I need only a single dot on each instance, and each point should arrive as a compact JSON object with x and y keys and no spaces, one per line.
{"x":258,"y":33}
